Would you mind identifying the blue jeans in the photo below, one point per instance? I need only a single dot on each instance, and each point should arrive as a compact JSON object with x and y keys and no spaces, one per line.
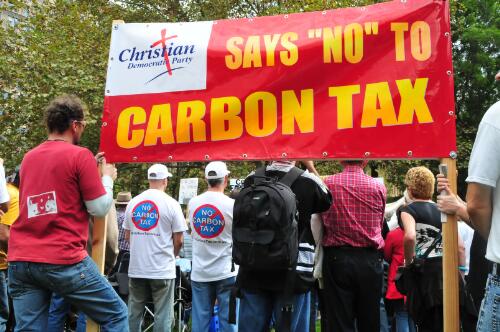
{"x":31,"y":286}
{"x":384,"y":324}
{"x":4,"y":301}
{"x":403,"y":321}
{"x":58,"y":311}
{"x":161,"y":293}
{"x":204,"y":296}
{"x":257,"y":308}
{"x":489,"y":315}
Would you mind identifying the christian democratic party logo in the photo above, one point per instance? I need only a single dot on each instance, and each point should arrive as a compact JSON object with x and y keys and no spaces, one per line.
{"x":145,"y":215}
{"x":157,"y":57}
{"x":208,"y":221}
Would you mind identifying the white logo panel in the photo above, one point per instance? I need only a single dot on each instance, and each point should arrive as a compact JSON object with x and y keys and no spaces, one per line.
{"x":158,"y":57}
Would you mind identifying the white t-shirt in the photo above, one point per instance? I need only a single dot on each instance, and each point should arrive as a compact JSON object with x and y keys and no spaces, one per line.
{"x":466,"y":234}
{"x":4,"y":194}
{"x":211,"y":217}
{"x":152,"y":217}
{"x":484,"y":168}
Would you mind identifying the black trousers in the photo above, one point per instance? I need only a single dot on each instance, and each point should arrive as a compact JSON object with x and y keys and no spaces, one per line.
{"x":353,"y":288}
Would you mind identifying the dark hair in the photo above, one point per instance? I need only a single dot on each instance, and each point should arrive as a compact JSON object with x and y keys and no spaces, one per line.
{"x":234,"y":193}
{"x":62,"y":111}
{"x":215,"y":182}
{"x":353,"y":162}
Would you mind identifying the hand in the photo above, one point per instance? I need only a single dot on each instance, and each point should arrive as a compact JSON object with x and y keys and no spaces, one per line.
{"x":443,"y":184}
{"x":309,"y":164}
{"x":99,"y":157}
{"x":108,"y":169}
{"x":448,"y":204}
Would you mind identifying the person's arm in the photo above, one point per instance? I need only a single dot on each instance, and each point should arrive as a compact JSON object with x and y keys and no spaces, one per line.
{"x":100,"y":206}
{"x":178,"y":238}
{"x":409,"y":238}
{"x":112,"y":249}
{"x":4,"y":194}
{"x":317,"y":228}
{"x":178,"y":227}
{"x":4,"y":235}
{"x":479,"y":207}
{"x":309,"y":165}
{"x":127,"y":235}
{"x":484,"y":173}
{"x":450,"y":203}
{"x":319,"y":190}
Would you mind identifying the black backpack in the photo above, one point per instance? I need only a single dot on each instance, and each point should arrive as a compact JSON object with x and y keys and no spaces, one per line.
{"x":265,"y":223}
{"x":265,"y":234}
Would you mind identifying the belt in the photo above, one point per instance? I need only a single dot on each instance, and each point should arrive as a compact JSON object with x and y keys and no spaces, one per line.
{"x":350,"y":248}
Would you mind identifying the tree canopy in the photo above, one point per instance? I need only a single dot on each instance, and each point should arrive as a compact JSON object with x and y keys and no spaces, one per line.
{"x":62,"y":47}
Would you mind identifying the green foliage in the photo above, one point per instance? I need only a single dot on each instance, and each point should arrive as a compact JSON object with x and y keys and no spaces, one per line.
{"x":476,"y":41}
{"x":62,"y":47}
{"x":476,"y":37}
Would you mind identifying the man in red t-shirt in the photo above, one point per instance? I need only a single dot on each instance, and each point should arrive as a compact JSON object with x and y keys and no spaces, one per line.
{"x":60,"y":189}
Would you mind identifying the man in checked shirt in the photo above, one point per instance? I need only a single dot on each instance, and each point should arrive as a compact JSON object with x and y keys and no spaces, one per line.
{"x":352,"y":266}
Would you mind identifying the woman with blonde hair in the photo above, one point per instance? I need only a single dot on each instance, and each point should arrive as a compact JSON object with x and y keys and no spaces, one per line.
{"x":421,"y":223}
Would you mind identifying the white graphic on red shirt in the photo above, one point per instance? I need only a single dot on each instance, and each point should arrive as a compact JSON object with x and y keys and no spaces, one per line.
{"x":40,"y":205}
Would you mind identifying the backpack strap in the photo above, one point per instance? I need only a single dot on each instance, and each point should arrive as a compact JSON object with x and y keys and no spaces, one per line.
{"x":291,"y":176}
{"x":259,"y":175}
{"x":433,"y":245}
{"x":260,"y":172}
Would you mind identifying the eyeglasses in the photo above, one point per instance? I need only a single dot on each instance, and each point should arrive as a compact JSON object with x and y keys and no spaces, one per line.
{"x":83,"y":123}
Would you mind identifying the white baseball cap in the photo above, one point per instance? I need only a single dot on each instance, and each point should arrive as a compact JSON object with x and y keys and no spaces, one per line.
{"x":216,"y":170}
{"x":158,"y":172}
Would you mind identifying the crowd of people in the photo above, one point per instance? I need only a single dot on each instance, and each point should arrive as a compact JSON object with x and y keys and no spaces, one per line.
{"x":290,"y":245}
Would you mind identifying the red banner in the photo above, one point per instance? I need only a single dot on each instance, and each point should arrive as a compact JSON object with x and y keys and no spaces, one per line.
{"x":372,"y":82}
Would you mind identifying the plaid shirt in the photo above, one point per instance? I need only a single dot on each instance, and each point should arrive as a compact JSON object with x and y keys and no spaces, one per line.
{"x":356,"y":214}
{"x":123,"y":244}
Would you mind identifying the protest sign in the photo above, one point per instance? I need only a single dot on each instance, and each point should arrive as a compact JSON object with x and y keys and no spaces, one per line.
{"x":372,"y":82}
{"x":187,"y":190}
{"x":236,"y":183}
